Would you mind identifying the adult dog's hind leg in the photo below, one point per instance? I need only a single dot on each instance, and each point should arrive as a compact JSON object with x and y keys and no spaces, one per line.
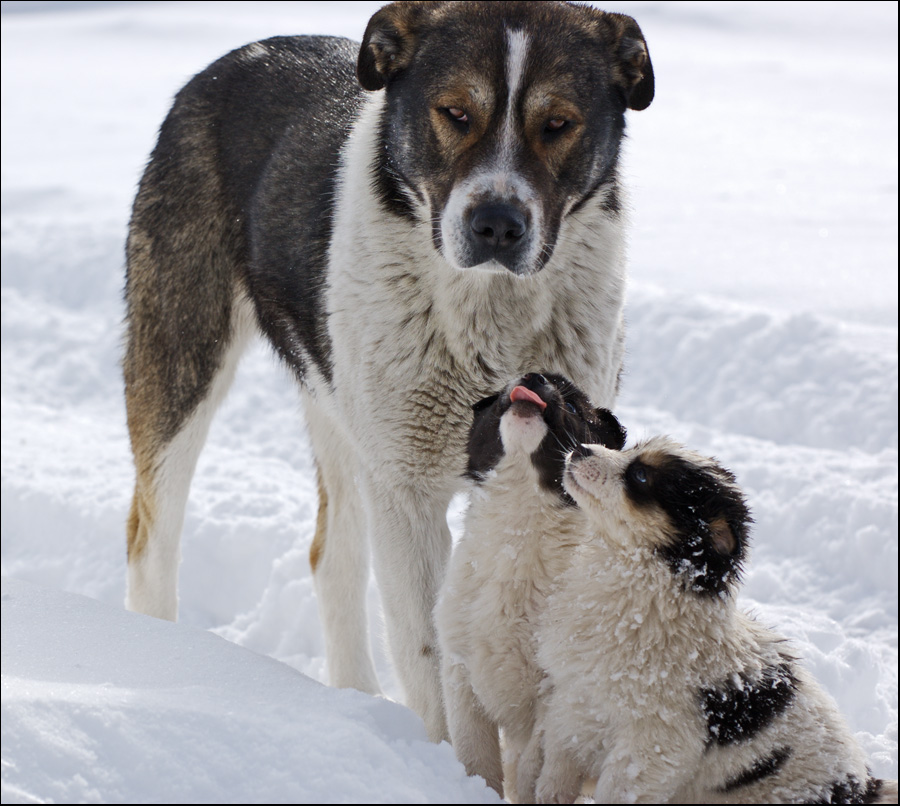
{"x":339,"y":557}
{"x":168,"y":423}
{"x":187,"y":323}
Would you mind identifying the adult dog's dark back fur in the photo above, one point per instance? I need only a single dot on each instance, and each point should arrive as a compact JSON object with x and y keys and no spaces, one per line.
{"x":198,"y":217}
{"x":405,"y":250}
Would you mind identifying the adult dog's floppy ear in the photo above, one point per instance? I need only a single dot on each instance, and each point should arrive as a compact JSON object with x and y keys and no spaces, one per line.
{"x":632,"y":69}
{"x":389,"y":43}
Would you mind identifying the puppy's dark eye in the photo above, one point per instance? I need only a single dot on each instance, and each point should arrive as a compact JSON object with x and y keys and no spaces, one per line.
{"x":457,"y":115}
{"x":639,"y":474}
{"x":571,"y":407}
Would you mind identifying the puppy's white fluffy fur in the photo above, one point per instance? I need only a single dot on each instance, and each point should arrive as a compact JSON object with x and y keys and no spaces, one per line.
{"x":628,"y":648}
{"x":517,"y":540}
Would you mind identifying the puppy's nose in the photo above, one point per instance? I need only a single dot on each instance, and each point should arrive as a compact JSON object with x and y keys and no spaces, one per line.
{"x":498,"y":226}
{"x":582,"y":450}
{"x":533,"y":380}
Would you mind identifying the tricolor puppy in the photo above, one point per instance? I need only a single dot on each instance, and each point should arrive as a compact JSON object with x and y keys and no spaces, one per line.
{"x":661,"y":688}
{"x":520,"y":530}
{"x":410,"y":222}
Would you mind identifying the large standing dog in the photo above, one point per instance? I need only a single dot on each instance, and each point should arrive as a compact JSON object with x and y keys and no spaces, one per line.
{"x":406,"y":250}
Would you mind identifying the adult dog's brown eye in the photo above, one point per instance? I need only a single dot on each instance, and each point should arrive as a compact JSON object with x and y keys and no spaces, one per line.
{"x":556,"y":124}
{"x":459,"y":115}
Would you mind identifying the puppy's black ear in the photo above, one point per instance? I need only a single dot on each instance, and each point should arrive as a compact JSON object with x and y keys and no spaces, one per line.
{"x":390,"y":42}
{"x":722,"y":538}
{"x":610,"y":433}
{"x":632,"y":69}
{"x":484,"y":403}
{"x":485,"y":446}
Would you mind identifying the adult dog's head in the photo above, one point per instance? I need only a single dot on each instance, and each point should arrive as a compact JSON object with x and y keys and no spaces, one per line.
{"x":501,"y":119}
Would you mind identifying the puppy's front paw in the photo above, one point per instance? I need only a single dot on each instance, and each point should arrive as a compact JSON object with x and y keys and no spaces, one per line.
{"x":557,"y":786}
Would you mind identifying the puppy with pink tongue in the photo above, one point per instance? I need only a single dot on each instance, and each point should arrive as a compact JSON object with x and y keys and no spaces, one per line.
{"x":518,"y":529}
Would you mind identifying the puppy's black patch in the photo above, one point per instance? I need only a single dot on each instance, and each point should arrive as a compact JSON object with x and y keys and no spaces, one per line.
{"x":709,"y":516}
{"x":570,"y":419}
{"x":485,"y":446}
{"x":759,"y":770}
{"x":852,"y":790}
{"x":741,"y":707}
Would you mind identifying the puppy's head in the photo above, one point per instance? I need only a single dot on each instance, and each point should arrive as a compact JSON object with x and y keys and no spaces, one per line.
{"x":659,"y":495}
{"x":538,"y":419}
{"x":501,"y":119}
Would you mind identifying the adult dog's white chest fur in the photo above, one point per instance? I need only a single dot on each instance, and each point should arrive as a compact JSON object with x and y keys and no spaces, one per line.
{"x":406,"y":324}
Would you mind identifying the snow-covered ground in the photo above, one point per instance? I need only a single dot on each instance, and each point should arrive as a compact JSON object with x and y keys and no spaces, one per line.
{"x":762,"y":328}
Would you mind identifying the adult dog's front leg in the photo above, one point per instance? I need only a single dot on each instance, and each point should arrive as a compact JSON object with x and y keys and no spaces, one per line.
{"x":410,"y":547}
{"x":339,"y":557}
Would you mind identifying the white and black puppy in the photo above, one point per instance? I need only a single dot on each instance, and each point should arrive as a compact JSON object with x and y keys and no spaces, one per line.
{"x":519,"y":530}
{"x":661,"y":687}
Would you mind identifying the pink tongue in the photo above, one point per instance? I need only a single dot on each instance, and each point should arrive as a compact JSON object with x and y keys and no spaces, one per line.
{"x":521,"y":393}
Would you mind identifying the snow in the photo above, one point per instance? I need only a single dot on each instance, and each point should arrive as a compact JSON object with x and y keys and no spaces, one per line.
{"x":762,"y":329}
{"x":127,"y":708}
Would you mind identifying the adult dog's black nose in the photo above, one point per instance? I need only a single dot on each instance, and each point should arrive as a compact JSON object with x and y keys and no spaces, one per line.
{"x":498,"y":226}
